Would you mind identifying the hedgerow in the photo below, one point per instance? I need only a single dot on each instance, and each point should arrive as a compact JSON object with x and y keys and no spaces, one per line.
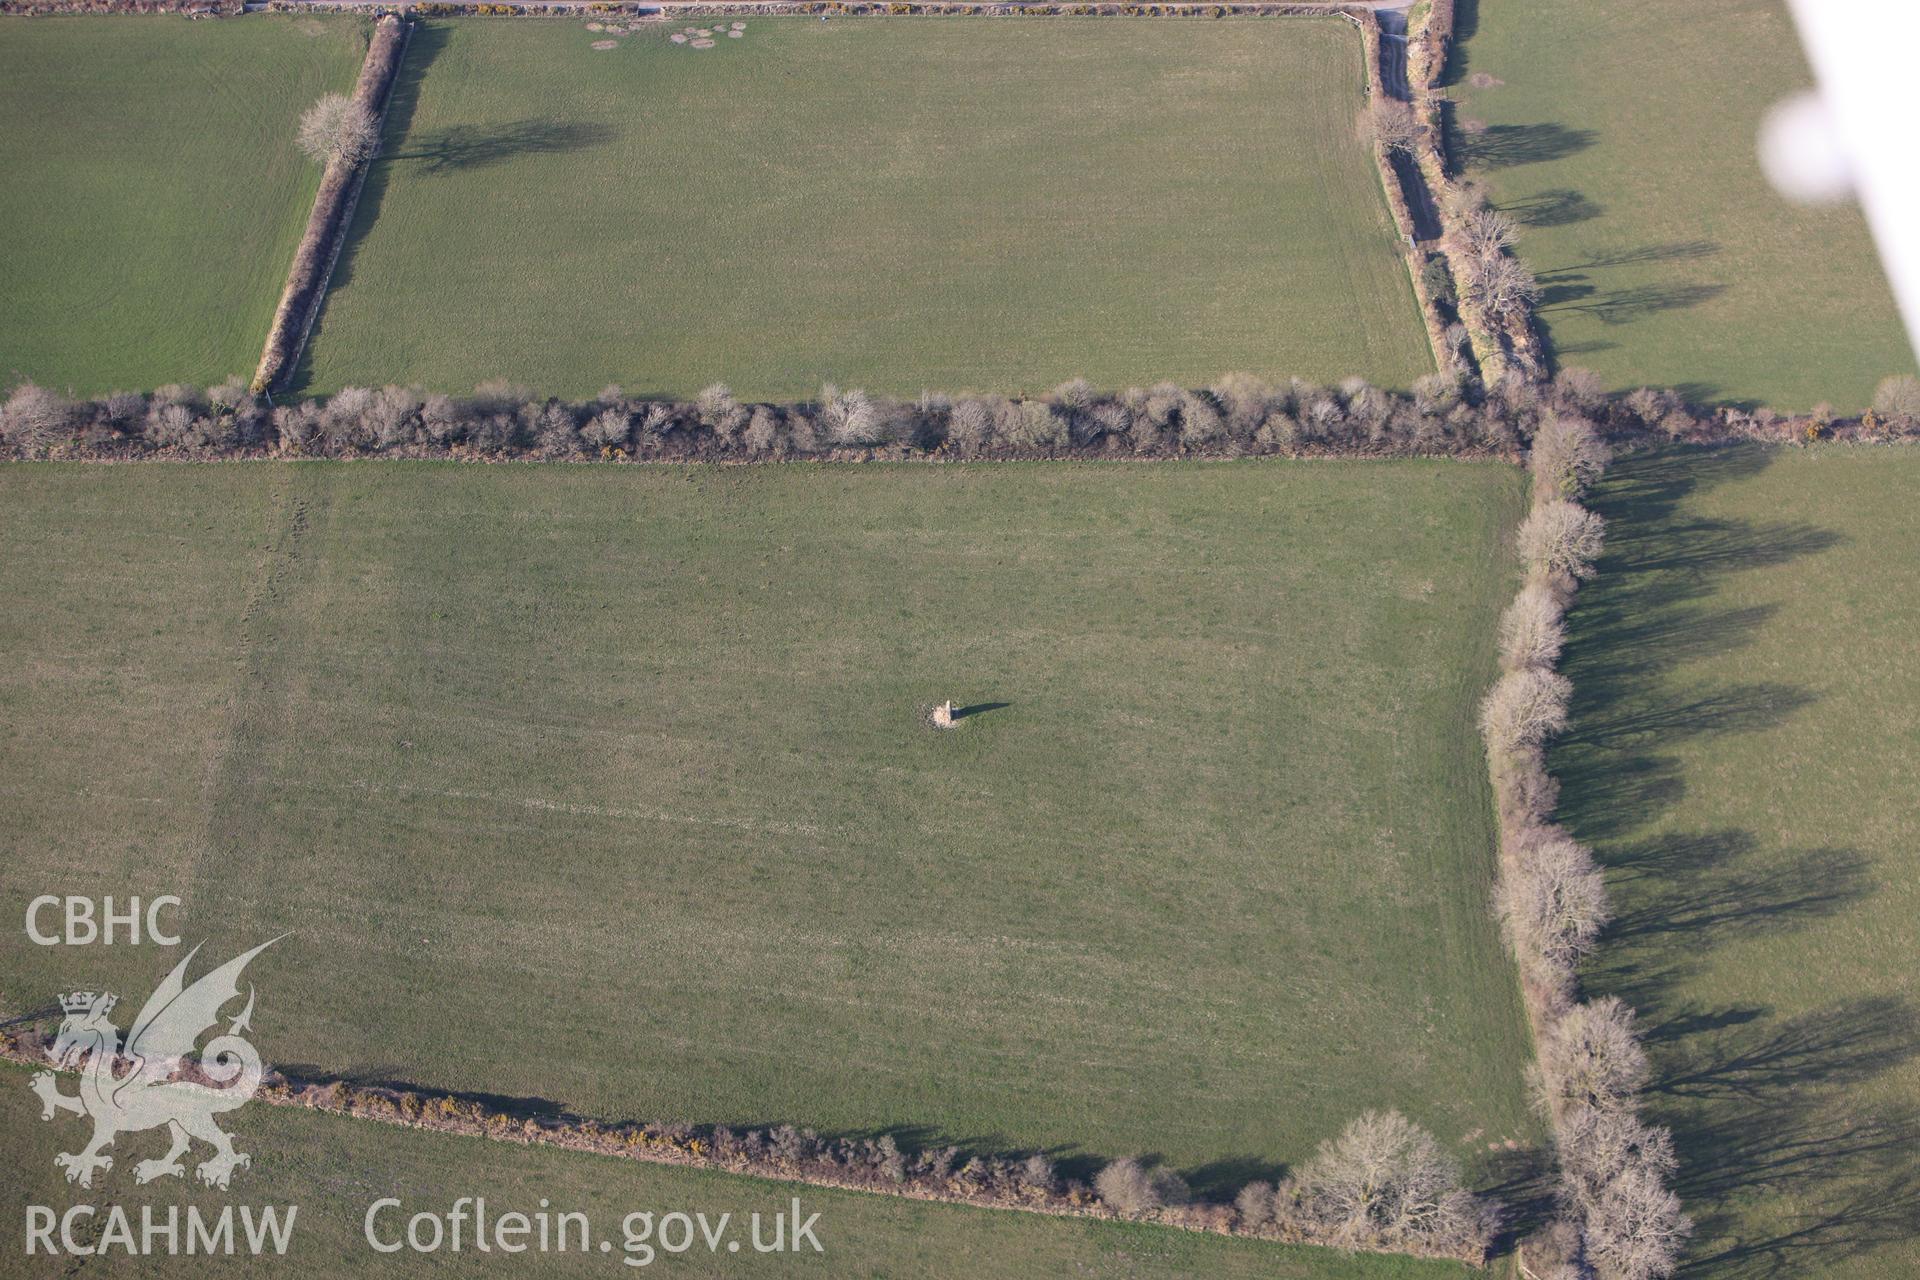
{"x":1383,"y":1185}
{"x":1239,"y":415}
{"x":1619,"y":1218}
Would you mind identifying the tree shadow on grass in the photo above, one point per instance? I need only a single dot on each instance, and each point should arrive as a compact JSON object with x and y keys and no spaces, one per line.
{"x":1466,"y":24}
{"x":1560,"y":207}
{"x":1505,"y":146}
{"x":1624,"y":306}
{"x":1670,"y":251}
{"x":1786,"y":1170}
{"x":477,"y":146}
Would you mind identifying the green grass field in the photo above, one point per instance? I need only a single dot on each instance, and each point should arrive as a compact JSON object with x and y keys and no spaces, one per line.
{"x":153,"y":195}
{"x":895,"y":204}
{"x":1621,"y":136}
{"x":608,"y":786}
{"x":1743,"y":754}
{"x":335,"y":1168}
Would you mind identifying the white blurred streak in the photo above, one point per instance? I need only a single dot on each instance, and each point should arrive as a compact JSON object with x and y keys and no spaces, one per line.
{"x":1801,"y":152}
{"x":1864,"y":55}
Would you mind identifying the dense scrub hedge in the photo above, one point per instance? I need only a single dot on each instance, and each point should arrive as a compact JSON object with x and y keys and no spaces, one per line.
{"x":195,"y":8}
{"x":1238,"y":415}
{"x":1383,"y":1185}
{"x":849,"y":8}
{"x":332,"y":211}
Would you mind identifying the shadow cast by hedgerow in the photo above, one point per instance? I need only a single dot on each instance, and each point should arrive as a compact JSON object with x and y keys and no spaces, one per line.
{"x":1785,"y":1169}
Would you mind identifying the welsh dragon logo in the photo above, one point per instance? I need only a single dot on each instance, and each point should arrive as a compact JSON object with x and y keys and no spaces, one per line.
{"x":133,"y":1089}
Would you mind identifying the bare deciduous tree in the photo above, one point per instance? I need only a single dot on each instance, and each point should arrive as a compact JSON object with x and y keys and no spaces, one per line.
{"x":1598,"y":1144}
{"x":1532,"y":630}
{"x":1635,"y":1227}
{"x":338,"y":129}
{"x":1592,"y":1057}
{"x":1501,"y":286}
{"x":1568,"y":455}
{"x":1393,"y":124}
{"x":1554,"y":899}
{"x":1385,"y":1181}
{"x":1561,"y":537}
{"x":1524,"y":708}
{"x":1487,"y":233}
{"x":1898,"y":398}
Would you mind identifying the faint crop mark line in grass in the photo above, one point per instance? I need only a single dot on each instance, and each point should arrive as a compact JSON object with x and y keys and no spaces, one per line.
{"x":559,"y":806}
{"x":289,"y":526}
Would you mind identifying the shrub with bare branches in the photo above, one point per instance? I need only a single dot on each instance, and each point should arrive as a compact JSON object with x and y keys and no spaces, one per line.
{"x":721,"y":414}
{"x":1132,"y":1187}
{"x":851,"y":417}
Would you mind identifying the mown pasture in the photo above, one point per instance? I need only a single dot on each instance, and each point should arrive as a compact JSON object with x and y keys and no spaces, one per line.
{"x":1621,"y":135}
{"x":153,"y":194}
{"x":1742,"y":756}
{"x":608,"y":786}
{"x":896,"y":204}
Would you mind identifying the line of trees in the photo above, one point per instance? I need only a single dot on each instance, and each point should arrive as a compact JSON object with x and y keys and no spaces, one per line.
{"x":1238,"y":415}
{"x":1619,"y":1218}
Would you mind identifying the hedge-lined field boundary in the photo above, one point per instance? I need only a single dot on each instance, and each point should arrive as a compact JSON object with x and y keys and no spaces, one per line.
{"x":720,"y":8}
{"x":875,"y":1165}
{"x":332,"y":214}
{"x":1504,"y":336}
{"x":1238,"y":416}
{"x":1618,"y":1217}
{"x":1452,"y":351}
